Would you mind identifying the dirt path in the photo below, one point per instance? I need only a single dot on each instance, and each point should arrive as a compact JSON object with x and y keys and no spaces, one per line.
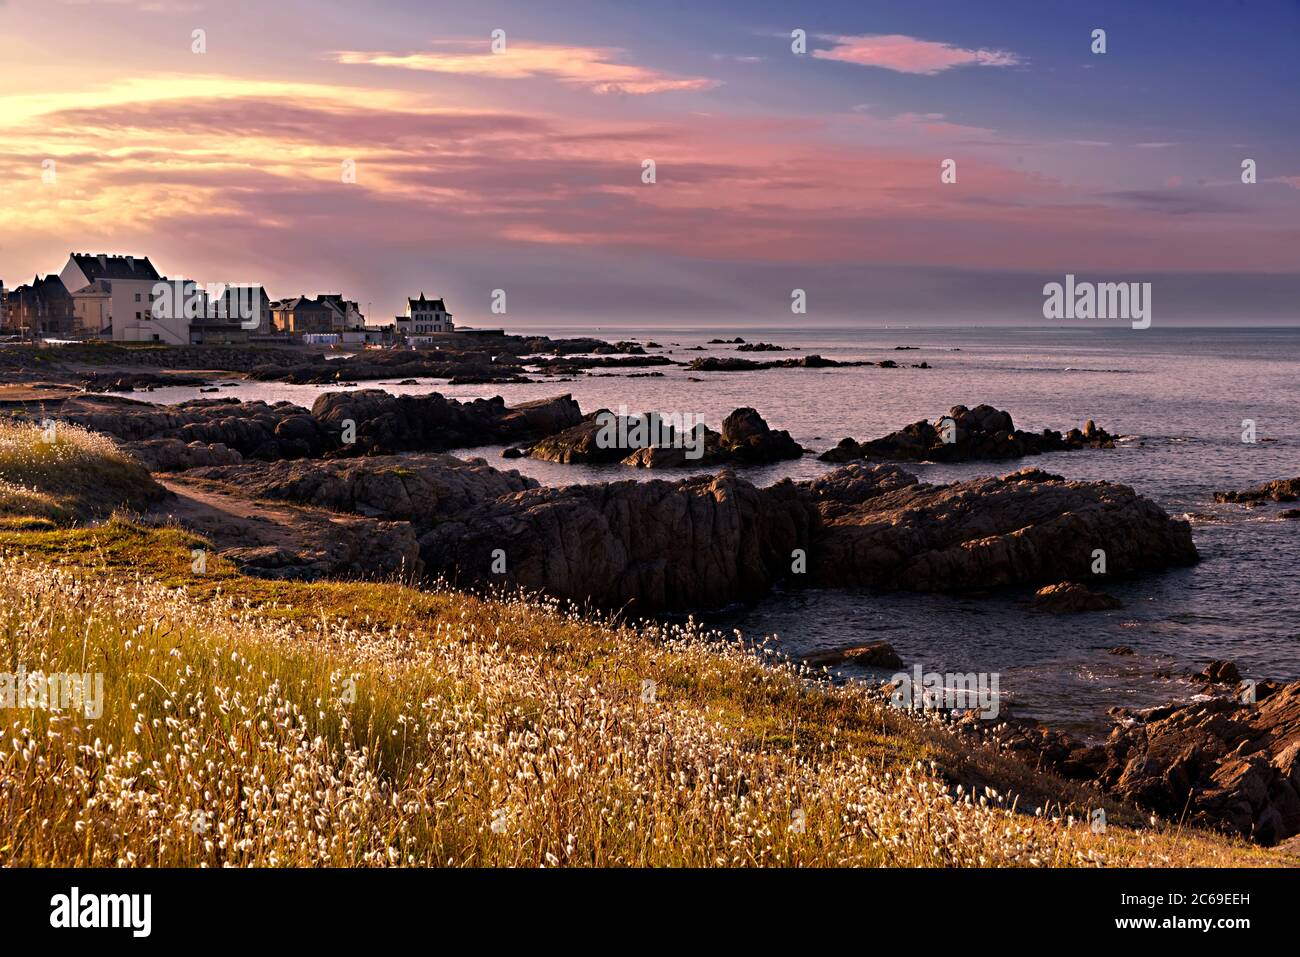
{"x":275,"y":540}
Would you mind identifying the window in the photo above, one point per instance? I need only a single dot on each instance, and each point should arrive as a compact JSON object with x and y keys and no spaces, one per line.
{"x":137,"y":297}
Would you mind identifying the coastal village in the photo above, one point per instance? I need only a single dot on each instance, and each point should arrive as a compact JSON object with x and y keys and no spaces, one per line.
{"x":125,"y":299}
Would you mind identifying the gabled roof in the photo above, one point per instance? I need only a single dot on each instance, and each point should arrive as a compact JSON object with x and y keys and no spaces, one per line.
{"x":436,"y":304}
{"x":301,"y":302}
{"x":103,"y":266}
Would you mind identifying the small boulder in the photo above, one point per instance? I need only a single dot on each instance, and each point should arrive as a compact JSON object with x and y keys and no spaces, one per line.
{"x":875,"y":654}
{"x":1219,"y":672}
{"x":1071,"y":597}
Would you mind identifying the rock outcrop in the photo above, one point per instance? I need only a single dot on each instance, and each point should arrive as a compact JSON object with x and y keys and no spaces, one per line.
{"x":874,"y":654}
{"x":737,"y":364}
{"x":1218,"y":762}
{"x":706,"y":542}
{"x":982,"y":433}
{"x":648,"y":441}
{"x":255,"y":430}
{"x":1283,"y":490}
{"x":420,"y":488}
{"x":388,"y":423}
{"x":882,"y":528}
{"x":709,"y":541}
{"x":699,"y":543}
{"x":173,"y":455}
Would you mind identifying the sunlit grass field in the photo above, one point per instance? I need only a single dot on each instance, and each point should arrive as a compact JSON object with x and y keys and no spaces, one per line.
{"x":251,"y":722}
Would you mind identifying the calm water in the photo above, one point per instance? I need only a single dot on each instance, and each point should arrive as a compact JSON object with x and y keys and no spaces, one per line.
{"x":1180,"y":393}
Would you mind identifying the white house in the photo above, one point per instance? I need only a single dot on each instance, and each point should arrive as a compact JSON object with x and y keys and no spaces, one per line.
{"x":424,"y":316}
{"x":129,"y":284}
{"x":92,"y":309}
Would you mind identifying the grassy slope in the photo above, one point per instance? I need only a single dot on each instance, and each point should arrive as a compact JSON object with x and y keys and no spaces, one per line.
{"x":64,"y":473}
{"x":257,"y":722}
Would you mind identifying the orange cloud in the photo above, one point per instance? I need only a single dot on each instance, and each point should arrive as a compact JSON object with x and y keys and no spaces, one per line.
{"x":904,"y":54}
{"x":589,"y":67}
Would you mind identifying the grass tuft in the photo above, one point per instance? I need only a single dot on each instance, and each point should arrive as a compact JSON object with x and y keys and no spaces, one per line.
{"x":61,"y":472}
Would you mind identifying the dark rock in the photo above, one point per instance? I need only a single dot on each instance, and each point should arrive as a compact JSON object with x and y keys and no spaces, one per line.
{"x":699,"y":543}
{"x":981,"y":433}
{"x":173,"y":455}
{"x":651,"y":442}
{"x":386,"y":423}
{"x":420,"y":488}
{"x":1283,"y":490}
{"x":884,"y":529}
{"x":875,"y":654}
{"x":1219,"y":672}
{"x":1070,"y":597}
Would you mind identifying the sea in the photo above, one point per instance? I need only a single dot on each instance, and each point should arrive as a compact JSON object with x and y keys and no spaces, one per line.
{"x":1182,"y":397}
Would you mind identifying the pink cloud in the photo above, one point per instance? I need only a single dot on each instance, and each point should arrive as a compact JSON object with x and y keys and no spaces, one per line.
{"x":904,"y":54}
{"x":591,"y":67}
{"x":249,"y":186}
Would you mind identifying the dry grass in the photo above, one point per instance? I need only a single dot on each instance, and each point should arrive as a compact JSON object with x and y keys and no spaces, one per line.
{"x":271,"y":723}
{"x":60,"y":472}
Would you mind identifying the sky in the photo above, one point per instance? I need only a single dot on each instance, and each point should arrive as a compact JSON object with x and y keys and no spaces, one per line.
{"x":384,"y":149}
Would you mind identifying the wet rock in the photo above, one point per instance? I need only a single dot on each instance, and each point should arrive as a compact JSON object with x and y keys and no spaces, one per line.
{"x":1283,"y":490}
{"x":1124,"y":650}
{"x":647,"y":441}
{"x":737,"y":364}
{"x":1071,"y":597}
{"x":875,"y":654}
{"x":747,"y":438}
{"x":981,"y":433}
{"x":1219,"y":672}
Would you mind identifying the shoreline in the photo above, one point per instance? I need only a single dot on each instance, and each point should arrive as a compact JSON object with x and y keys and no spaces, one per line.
{"x":298,"y":438}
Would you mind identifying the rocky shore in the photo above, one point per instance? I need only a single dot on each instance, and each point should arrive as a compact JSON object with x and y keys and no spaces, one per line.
{"x":650,"y":546}
{"x":359,"y":486}
{"x":982,"y":433}
{"x":654,"y":546}
{"x":1230,"y":761}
